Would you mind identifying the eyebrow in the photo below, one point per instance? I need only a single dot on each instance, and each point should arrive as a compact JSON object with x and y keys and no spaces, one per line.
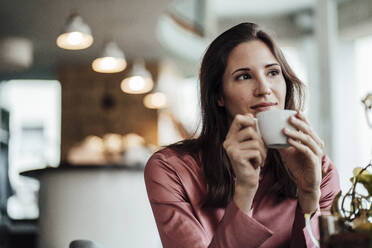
{"x":247,"y":69}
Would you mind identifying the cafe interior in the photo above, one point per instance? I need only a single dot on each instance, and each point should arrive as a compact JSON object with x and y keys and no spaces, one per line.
{"x":90,"y":89}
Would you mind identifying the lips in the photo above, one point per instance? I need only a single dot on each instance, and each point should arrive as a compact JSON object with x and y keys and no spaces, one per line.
{"x":263,"y":106}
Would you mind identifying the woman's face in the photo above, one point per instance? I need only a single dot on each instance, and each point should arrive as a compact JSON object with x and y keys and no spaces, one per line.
{"x":252,"y":81}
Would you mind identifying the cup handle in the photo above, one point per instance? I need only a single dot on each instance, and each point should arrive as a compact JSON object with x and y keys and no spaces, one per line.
{"x":257,"y":127}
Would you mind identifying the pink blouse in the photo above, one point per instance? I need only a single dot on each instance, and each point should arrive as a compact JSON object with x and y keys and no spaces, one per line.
{"x":176,"y":187}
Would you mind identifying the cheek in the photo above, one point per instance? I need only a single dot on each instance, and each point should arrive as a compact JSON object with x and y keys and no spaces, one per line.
{"x":282,"y":92}
{"x":234,"y":94}
{"x":237,"y":98}
{"x":279,"y":89}
{"x":237,"y":104}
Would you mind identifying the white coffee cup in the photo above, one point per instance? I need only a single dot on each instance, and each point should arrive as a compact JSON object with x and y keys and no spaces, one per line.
{"x":270,"y":125}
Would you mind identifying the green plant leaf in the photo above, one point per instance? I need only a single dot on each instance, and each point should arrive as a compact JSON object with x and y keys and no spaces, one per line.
{"x":357,"y":170}
{"x":366,"y":181}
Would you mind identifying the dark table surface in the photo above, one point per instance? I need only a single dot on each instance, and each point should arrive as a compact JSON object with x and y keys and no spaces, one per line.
{"x":67,"y":166}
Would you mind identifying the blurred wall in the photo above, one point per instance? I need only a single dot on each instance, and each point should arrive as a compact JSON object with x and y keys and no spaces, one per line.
{"x":85,"y":113}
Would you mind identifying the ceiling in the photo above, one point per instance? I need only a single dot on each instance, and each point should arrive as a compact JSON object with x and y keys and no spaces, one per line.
{"x":131,"y":23}
{"x":258,"y":8}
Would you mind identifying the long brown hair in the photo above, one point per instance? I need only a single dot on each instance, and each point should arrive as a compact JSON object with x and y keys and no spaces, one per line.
{"x":216,"y":166}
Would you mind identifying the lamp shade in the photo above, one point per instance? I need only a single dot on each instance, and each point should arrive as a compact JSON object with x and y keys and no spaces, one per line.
{"x":112,"y":59}
{"x":16,"y":53}
{"x":157,"y":100}
{"x":76,"y":34}
{"x":139,"y":80}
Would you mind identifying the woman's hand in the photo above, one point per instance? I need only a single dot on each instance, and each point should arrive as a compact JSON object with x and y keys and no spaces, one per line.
{"x":304,"y":161}
{"x":247,"y":154}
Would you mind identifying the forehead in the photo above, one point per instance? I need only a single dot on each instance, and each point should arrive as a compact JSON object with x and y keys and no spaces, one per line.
{"x":250,"y":54}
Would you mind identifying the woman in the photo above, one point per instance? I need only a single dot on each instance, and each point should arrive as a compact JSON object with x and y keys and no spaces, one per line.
{"x":225,"y":188}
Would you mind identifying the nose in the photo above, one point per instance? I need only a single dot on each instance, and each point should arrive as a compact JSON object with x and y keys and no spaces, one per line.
{"x":263,"y":87}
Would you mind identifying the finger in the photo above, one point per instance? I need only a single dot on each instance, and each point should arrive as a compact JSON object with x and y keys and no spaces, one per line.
{"x":301,"y":147}
{"x":247,"y":133}
{"x":246,"y":151}
{"x":300,"y":115}
{"x":304,"y":138}
{"x":252,"y":137}
{"x":254,"y":145}
{"x":246,"y":158}
{"x":255,"y":158}
{"x":301,"y":123}
{"x":241,"y":121}
{"x":303,"y":117}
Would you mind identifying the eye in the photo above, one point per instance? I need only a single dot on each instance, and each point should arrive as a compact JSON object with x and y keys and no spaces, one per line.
{"x":274,"y":73}
{"x":244,"y":76}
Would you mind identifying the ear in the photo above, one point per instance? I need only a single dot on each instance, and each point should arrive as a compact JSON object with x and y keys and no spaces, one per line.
{"x":221,"y":102}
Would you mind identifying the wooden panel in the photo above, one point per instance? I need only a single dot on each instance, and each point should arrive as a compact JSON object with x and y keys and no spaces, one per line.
{"x":83,"y":113}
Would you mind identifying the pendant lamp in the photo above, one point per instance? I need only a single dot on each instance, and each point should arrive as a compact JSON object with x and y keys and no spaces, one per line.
{"x":139,"y":80}
{"x":112,"y":59}
{"x":155,"y":100}
{"x":76,"y":34}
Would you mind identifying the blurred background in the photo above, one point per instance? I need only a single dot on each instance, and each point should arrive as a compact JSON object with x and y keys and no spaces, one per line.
{"x":90,"y":89}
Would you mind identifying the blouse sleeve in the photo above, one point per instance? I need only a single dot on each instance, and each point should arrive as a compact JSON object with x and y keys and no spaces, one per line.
{"x":175,"y":219}
{"x":329,"y":187}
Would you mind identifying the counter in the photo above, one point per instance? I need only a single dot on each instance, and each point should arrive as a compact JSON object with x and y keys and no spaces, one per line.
{"x":107,"y":204}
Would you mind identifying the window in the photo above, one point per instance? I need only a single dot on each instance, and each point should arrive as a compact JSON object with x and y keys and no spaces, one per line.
{"x":363,"y":61}
{"x":34,"y":127}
